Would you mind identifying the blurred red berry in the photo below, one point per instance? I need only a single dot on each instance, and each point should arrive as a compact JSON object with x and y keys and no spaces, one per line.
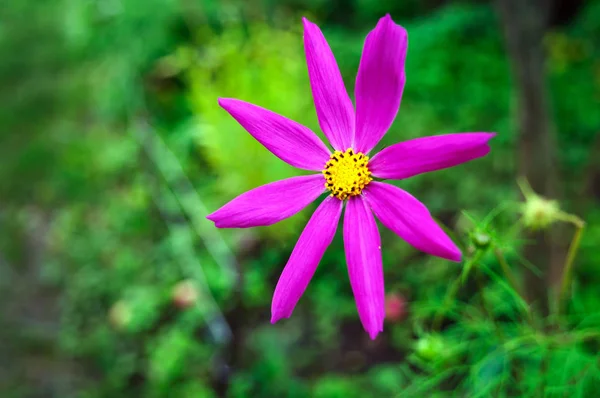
{"x":395,"y":307}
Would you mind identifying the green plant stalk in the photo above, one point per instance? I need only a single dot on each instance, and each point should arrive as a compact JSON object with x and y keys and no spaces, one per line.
{"x":570,"y":260}
{"x":437,"y":320}
{"x":525,"y":187}
{"x":511,"y":279}
{"x":486,"y":307}
{"x":507,"y":272}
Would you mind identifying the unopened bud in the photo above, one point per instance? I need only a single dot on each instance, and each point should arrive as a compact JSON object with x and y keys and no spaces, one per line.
{"x":481,"y":240}
{"x":185,"y":294}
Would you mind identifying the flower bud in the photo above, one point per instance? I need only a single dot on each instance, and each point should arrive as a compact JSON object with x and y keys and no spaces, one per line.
{"x":185,"y":294}
{"x":481,"y":240}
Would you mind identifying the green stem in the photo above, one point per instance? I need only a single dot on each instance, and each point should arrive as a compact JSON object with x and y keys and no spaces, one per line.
{"x":525,"y":187}
{"x":568,"y":268}
{"x":486,"y":307}
{"x":507,"y":272}
{"x":511,"y":280}
{"x":437,"y":321}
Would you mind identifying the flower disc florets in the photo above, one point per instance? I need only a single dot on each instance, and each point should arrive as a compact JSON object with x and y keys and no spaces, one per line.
{"x":347,"y":173}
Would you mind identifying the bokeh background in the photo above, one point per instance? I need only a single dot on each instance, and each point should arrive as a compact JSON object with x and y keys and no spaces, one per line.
{"x":113,"y":150}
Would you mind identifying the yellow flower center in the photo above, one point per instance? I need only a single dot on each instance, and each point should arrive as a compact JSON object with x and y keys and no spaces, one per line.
{"x":347,"y":173}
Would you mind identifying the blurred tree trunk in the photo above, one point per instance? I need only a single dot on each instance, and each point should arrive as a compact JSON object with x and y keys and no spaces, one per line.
{"x":524,"y":23}
{"x":593,"y":174}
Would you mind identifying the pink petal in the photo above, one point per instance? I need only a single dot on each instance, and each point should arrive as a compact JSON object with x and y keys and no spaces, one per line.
{"x":421,"y":155}
{"x":269,"y":203}
{"x":289,"y":141}
{"x":334,"y":108}
{"x":301,"y":266}
{"x":380,"y":82}
{"x":407,"y":217}
{"x":363,"y":256}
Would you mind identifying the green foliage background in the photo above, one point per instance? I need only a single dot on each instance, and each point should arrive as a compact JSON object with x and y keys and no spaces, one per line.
{"x":113,"y":150}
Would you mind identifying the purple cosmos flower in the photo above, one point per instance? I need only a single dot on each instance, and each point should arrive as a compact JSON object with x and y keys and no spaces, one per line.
{"x":346,"y":174}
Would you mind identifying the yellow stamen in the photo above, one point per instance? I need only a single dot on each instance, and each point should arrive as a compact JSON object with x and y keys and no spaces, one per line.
{"x":347,"y":173}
